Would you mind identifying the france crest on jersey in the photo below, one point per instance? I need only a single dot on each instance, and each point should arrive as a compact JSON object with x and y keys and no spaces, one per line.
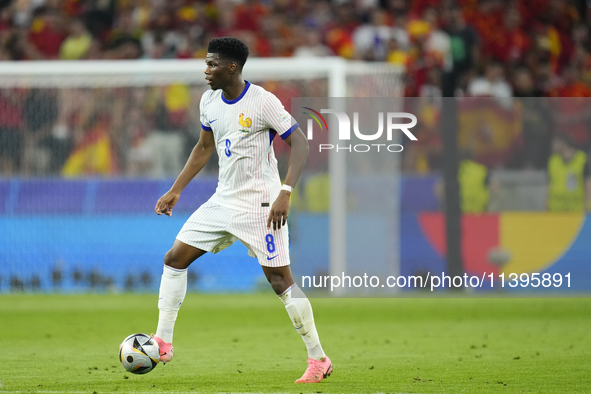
{"x":243,"y":130}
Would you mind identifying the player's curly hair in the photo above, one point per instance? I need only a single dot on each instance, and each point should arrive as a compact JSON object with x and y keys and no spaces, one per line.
{"x":229,"y":48}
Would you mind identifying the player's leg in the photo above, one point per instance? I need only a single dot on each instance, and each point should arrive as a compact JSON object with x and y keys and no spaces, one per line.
{"x":173,"y":288}
{"x":205,"y":231}
{"x":181,"y":255}
{"x":300,"y":312}
{"x":272,"y":250}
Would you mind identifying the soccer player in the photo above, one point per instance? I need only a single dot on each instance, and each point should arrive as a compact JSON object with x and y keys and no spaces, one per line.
{"x":240,"y":120}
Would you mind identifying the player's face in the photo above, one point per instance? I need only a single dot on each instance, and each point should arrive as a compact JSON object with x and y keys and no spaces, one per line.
{"x":217,"y":73}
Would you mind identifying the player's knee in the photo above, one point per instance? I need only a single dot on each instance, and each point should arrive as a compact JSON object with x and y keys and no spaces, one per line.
{"x":172,"y":260}
{"x":168,"y":259}
{"x":278,"y":283}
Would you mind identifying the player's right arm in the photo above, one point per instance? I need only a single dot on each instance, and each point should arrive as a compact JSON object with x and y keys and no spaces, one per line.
{"x":197,"y":160}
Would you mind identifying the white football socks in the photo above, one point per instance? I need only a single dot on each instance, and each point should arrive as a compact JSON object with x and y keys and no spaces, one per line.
{"x":173,"y":288}
{"x":300,"y":311}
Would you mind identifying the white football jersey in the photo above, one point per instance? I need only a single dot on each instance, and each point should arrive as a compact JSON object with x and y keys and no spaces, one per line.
{"x":243,"y":130}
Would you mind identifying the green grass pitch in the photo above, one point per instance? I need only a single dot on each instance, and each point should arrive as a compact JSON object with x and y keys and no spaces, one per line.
{"x":245,"y":343}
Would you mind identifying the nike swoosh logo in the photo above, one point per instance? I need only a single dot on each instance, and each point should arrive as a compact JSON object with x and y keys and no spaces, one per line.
{"x":271,"y":258}
{"x":212,"y":121}
{"x":297,"y":328}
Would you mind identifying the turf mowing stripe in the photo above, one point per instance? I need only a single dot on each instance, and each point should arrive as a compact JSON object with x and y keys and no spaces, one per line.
{"x":155,"y":392}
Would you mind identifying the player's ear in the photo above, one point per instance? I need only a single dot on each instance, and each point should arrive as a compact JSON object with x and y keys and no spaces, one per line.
{"x":232,"y":67}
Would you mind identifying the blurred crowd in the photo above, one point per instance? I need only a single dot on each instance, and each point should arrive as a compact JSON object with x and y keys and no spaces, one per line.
{"x":492,"y":41}
{"x":504,"y":49}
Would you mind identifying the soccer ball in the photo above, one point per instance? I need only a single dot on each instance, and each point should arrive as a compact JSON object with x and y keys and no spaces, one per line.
{"x":139,"y":353}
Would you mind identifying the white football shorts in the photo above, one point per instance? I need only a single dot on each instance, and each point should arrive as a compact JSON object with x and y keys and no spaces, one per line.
{"x":213,"y":228}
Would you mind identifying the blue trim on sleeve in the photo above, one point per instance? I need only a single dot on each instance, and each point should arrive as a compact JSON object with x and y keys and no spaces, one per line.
{"x":204,"y":127}
{"x":237,"y":98}
{"x":288,"y":132}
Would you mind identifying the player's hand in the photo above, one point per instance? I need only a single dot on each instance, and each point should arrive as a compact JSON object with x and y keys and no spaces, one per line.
{"x":279,"y":211}
{"x":166,"y":203}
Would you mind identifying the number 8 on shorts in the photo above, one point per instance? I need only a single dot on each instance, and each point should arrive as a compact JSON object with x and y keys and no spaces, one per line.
{"x":270,"y":243}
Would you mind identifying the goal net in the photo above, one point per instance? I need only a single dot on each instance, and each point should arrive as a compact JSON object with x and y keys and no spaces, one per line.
{"x":86,"y":148}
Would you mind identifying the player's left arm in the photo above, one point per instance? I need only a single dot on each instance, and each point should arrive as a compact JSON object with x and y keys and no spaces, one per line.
{"x":299,"y":154}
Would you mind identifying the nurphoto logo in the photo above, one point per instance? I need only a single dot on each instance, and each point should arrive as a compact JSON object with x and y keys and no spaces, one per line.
{"x":344,"y":130}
